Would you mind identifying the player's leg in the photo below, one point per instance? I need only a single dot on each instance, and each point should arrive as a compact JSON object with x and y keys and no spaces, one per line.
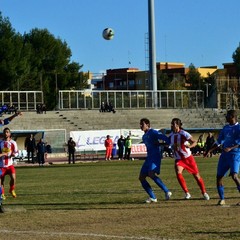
{"x":222,"y":169}
{"x":154,"y":169}
{"x":1,"y":200}
{"x":181,"y":180}
{"x":146,"y":186}
{"x":3,"y":191}
{"x":236,"y":180}
{"x":220,"y":189}
{"x":12,"y":183}
{"x":201,"y":185}
{"x":234,"y":170}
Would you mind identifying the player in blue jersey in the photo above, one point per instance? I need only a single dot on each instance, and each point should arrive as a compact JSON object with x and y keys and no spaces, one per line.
{"x":151,"y":166}
{"x":229,"y":139}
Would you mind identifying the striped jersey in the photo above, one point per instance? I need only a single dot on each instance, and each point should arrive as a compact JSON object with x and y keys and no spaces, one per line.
{"x":179,"y":141}
{"x":9,"y":147}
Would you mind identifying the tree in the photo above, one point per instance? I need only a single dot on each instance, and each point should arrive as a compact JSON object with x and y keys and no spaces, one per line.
{"x":162,"y":80}
{"x":236,"y":60}
{"x":49,"y":58}
{"x":13,"y":56}
{"x":177,"y":83}
{"x":37,"y":61}
{"x":194,"y":78}
{"x":73,"y":76}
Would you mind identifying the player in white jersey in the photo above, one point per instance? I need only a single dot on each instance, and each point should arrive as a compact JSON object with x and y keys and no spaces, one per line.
{"x":181,"y":142}
{"x":9,"y":147}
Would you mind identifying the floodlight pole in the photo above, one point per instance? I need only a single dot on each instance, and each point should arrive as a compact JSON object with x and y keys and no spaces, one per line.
{"x":152,"y":52}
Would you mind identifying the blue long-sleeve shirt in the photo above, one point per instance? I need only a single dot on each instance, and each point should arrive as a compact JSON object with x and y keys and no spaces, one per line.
{"x":230,"y":136}
{"x":151,"y":140}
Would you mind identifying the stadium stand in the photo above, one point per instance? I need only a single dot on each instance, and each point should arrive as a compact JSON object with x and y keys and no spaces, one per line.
{"x":94,"y":120}
{"x":57,"y":125}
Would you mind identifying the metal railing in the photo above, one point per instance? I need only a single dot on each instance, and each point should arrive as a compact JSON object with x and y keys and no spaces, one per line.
{"x":131,"y":99}
{"x":22,"y":100}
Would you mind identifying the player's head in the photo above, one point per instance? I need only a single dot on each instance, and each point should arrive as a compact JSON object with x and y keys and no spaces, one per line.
{"x":176,"y":124}
{"x":6,"y":132}
{"x":144,"y":124}
{"x":231,"y":116}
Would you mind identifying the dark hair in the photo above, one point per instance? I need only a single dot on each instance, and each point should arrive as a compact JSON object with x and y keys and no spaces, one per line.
{"x":145,"y":120}
{"x":177,"y":121}
{"x":232,"y":113}
{"x":5,"y":129}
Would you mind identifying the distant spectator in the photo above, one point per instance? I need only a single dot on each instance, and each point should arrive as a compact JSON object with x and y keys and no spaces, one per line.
{"x":110,"y":108}
{"x":4,"y":109}
{"x":48,"y":148}
{"x":199,"y":148}
{"x":102,"y":107}
{"x":128,"y":147}
{"x":44,"y":108}
{"x":209,"y":143}
{"x":38,"y":109}
{"x":30,"y":146}
{"x":108,"y":145}
{"x":121,"y":146}
{"x":12,"y":109}
{"x":41,"y":152}
{"x":106,"y":107}
{"x":71,"y":150}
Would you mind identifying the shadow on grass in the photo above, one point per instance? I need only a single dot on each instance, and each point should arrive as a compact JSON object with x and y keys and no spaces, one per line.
{"x":222,"y":234}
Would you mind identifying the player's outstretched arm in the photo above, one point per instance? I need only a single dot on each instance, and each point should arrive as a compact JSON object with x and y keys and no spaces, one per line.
{"x":9,"y":119}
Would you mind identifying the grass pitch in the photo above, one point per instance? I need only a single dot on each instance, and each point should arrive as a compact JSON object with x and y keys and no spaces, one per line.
{"x":104,"y":200}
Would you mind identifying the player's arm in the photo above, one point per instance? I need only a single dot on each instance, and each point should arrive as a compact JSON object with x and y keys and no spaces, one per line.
{"x":192,"y":143}
{"x":3,"y":154}
{"x":163,"y":137}
{"x":214,"y":146}
{"x":9,"y":119}
{"x":228,"y":149}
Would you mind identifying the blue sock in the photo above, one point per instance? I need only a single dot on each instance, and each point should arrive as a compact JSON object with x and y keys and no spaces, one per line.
{"x":148,"y":189}
{"x":221,"y":192}
{"x":238,"y":187}
{"x":159,"y":182}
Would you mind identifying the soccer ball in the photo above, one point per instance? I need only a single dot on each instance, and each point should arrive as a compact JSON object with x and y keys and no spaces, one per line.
{"x":108,"y":33}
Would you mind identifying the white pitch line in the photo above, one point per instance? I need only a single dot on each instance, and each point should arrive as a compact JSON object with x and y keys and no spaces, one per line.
{"x":81,"y":234}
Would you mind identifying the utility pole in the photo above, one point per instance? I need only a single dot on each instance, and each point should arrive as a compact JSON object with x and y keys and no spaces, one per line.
{"x":152,"y":51}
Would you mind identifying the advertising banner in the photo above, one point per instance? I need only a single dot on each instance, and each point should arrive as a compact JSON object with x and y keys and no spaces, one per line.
{"x":94,"y":140}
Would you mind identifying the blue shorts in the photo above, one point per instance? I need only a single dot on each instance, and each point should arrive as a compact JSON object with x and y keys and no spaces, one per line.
{"x":151,"y":165}
{"x":228,"y":160}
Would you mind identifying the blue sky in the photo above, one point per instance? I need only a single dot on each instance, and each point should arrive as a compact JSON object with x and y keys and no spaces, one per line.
{"x":202,"y":32}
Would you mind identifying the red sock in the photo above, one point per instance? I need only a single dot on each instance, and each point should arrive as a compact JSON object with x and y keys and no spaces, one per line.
{"x":201,"y":184}
{"x":182,"y":182}
{"x":12,"y":188}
